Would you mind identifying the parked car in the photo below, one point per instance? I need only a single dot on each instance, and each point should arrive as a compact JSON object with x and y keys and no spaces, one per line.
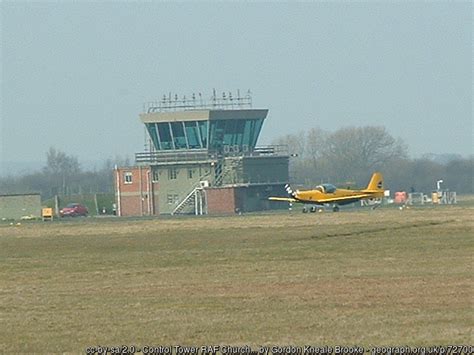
{"x":73,"y":210}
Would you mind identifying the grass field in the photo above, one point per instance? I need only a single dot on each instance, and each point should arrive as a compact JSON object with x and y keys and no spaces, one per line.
{"x":383,"y":277}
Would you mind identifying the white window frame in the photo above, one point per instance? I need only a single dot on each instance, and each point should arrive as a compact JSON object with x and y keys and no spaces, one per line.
{"x":128,"y":177}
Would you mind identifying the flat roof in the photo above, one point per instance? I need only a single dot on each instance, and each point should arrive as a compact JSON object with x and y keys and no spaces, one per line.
{"x":203,"y":115}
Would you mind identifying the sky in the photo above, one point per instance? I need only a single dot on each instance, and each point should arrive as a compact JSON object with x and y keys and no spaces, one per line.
{"x":75,"y":75}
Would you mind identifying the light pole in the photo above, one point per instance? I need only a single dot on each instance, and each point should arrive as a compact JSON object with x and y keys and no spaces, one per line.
{"x":438,"y":185}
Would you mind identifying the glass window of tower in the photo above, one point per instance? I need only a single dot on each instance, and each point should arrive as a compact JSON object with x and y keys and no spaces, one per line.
{"x":234,"y":132}
{"x":165,"y":136}
{"x":203,"y":131}
{"x":178,"y":135}
{"x":152,"y":131}
{"x":195,"y":134}
{"x":192,"y":133}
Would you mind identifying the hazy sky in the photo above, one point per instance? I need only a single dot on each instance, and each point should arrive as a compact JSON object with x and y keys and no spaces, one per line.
{"x":76,"y":75}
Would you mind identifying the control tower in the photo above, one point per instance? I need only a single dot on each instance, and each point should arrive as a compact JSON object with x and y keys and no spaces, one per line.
{"x":202,"y":157}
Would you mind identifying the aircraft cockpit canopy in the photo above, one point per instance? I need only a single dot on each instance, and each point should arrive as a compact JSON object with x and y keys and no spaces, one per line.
{"x":326,"y":188}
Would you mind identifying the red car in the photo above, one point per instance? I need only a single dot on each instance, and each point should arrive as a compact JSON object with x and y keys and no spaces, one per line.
{"x":73,"y":210}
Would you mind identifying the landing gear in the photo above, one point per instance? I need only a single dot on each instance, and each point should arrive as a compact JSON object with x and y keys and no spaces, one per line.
{"x":311,"y":209}
{"x":335,"y":208}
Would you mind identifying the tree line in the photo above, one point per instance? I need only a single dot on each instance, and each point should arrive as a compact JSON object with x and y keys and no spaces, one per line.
{"x":63,"y":175}
{"x":347,"y":157}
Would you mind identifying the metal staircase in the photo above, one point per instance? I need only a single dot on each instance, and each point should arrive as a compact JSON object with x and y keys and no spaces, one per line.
{"x":228,"y":169}
{"x":218,"y":173}
{"x":195,"y":201}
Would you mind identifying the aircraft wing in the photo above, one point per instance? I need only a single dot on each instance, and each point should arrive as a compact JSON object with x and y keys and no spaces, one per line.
{"x":283,"y":199}
{"x":345,"y":198}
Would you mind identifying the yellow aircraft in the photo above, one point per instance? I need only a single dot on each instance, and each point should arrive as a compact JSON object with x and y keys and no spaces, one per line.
{"x":330,"y":194}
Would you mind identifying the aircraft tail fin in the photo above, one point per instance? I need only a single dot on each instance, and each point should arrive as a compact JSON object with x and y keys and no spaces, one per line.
{"x":376,"y":182}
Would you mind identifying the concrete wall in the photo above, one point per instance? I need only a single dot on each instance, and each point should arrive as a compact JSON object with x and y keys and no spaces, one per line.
{"x":17,"y":206}
{"x":176,"y":181}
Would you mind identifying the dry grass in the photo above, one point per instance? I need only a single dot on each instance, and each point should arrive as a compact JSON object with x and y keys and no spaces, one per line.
{"x":383,"y":277}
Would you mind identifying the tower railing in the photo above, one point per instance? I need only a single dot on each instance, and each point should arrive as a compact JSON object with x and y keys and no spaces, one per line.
{"x":174,"y":156}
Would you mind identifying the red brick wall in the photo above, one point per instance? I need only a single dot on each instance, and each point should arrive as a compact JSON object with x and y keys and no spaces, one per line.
{"x":130,"y":206}
{"x":137,"y":174}
{"x":220,"y":200}
{"x":134,"y":196}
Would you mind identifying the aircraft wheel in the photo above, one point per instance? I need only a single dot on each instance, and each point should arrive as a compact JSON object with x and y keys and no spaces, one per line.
{"x":335,"y":209}
{"x":305,"y":210}
{"x":313,"y":209}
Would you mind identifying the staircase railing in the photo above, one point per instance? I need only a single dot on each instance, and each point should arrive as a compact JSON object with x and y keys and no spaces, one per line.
{"x":196,"y":188}
{"x":189,"y":197}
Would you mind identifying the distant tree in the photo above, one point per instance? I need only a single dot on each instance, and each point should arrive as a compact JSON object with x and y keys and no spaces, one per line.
{"x":459,"y":175}
{"x":352,"y":153}
{"x":422,"y":174}
{"x":348,"y":155}
{"x":296,"y":148}
{"x":61,"y":171}
{"x":58,"y":162}
{"x":63,"y":175}
{"x":315,"y":147}
{"x":294,"y":142}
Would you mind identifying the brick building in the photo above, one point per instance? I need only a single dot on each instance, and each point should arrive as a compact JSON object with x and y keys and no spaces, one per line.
{"x":203,"y":159}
